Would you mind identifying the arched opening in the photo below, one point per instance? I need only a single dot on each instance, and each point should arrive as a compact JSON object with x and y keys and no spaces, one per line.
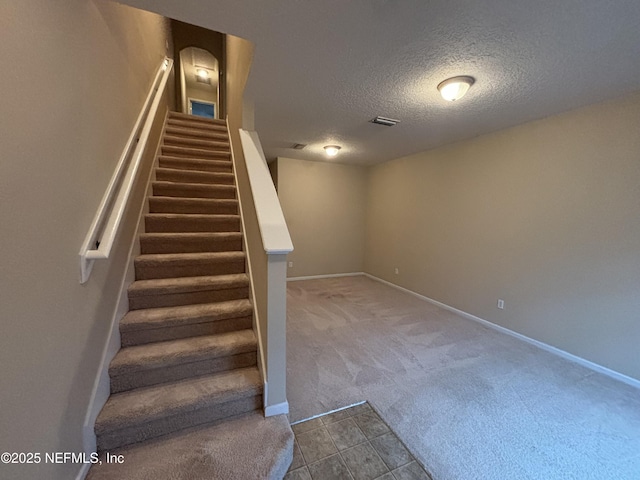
{"x":199,"y":83}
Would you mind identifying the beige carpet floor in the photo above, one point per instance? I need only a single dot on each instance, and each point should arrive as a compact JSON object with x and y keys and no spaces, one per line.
{"x":468,"y":402}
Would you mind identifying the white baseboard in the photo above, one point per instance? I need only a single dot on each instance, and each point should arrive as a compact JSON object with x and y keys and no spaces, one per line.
{"x":101,"y":386}
{"x":84,"y":469}
{"x":277,"y":409}
{"x":566,"y":355}
{"x":330,"y":275}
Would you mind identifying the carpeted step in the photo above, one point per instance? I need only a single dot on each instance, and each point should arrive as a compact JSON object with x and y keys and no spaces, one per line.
{"x":223,"y":166}
{"x":210,"y":206}
{"x":196,"y":133}
{"x":193,"y":176}
{"x":174,"y":265}
{"x":170,"y":361}
{"x":170,"y":292}
{"x":191,"y":222}
{"x":202,"y":153}
{"x":190,"y":242}
{"x":139,"y":327}
{"x":196,"y":125}
{"x":247,"y":447}
{"x":193,"y":190}
{"x":196,"y":119}
{"x":150,"y":412}
{"x":204,"y":143}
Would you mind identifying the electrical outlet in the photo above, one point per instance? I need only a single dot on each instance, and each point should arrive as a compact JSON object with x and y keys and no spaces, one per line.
{"x":397,"y":271}
{"x":501,"y":304}
{"x":290,"y":264}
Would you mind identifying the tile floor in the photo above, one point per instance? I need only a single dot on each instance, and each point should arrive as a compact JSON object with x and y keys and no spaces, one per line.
{"x":351,"y":444}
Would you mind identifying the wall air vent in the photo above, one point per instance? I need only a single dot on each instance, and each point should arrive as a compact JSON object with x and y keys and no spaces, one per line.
{"x":299,"y":146}
{"x":387,"y":122}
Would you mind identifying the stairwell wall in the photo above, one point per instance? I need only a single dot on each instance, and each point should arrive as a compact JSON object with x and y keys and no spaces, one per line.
{"x":75,"y":77}
{"x":325,"y":207}
{"x":543,"y":216}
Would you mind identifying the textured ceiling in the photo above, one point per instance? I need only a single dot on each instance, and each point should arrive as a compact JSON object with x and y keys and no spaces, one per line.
{"x":323,"y":69}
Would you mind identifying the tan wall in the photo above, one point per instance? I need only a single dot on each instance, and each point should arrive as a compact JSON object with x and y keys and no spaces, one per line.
{"x":544,"y":215}
{"x":75,"y":76}
{"x":324,"y":205}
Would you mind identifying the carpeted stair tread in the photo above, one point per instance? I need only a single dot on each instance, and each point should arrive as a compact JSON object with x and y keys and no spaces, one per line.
{"x":193,"y":190}
{"x":248,"y":447}
{"x":164,"y":286}
{"x":190,"y":242}
{"x":209,"y":206}
{"x":194,"y":133}
{"x":193,"y":176}
{"x":223,"y":166}
{"x":188,"y":350}
{"x":196,"y":119}
{"x":172,"y":292}
{"x":149,"y":412}
{"x":151,"y":318}
{"x":205,"y":143}
{"x":191,"y":222}
{"x":146,"y":404}
{"x":197,"y":126}
{"x":179,"y":151}
{"x":169,"y":265}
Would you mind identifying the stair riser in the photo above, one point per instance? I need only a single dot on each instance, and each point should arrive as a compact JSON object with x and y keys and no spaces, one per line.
{"x":199,"y":191}
{"x":205,"y":143}
{"x":174,"y":373}
{"x":188,"y":298}
{"x":190,"y":176}
{"x":192,"y":269}
{"x":179,"y":205}
{"x":196,"y":119}
{"x":178,"y":225}
{"x":144,"y":337}
{"x":118,"y":438}
{"x":219,"y":166}
{"x":197,"y":126}
{"x":149,"y":246}
{"x":174,"y":151}
{"x":196,"y":134}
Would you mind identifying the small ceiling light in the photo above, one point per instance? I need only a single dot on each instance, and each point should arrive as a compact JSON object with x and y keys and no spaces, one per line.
{"x":455,"y":88}
{"x":202,"y":73}
{"x":332,"y":150}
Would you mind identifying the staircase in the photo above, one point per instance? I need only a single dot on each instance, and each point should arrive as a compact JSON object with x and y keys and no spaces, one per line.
{"x":186,"y":378}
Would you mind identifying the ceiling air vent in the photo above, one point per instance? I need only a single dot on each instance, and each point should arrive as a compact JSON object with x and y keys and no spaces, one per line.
{"x":299,"y":146}
{"x":387,"y":122}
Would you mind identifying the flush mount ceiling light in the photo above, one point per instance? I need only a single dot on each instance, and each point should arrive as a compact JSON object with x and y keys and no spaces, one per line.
{"x":455,"y":88}
{"x":202,"y":73}
{"x":332,"y":150}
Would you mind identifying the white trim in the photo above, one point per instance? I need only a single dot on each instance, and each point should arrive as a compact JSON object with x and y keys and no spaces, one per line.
{"x":100,"y":396}
{"x":104,"y":228}
{"x":329,"y":275}
{"x":330,"y":412}
{"x":277,"y":409}
{"x":544,"y":346}
{"x":273,"y":227}
{"x":205,"y":102}
{"x":262,"y":363}
{"x":84,"y":470}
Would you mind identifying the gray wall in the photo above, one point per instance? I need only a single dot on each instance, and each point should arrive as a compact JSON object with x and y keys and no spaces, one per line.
{"x":544,"y":215}
{"x":324,"y":205}
{"x":75,"y":76}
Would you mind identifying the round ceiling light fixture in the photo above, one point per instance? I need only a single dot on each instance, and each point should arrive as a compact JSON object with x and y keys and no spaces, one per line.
{"x":332,"y":150}
{"x":202,"y":73}
{"x":455,"y":88}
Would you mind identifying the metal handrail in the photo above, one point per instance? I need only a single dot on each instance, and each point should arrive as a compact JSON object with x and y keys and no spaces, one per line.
{"x":98,"y":243}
